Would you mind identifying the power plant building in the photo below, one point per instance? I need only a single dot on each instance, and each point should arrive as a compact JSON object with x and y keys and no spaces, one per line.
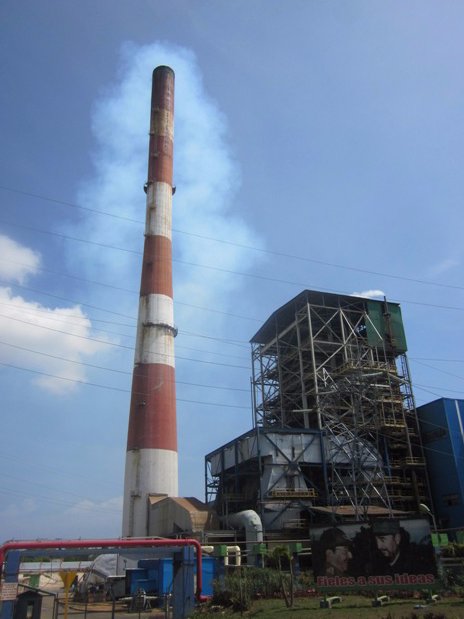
{"x":336,"y":431}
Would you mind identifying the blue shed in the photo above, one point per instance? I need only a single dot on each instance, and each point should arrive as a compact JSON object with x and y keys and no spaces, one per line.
{"x":155,"y":576}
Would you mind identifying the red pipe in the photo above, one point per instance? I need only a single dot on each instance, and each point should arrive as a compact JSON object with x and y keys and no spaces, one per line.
{"x":108,"y":543}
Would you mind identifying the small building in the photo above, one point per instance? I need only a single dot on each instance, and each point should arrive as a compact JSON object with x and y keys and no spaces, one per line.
{"x":172,"y":516}
{"x":442,"y":430}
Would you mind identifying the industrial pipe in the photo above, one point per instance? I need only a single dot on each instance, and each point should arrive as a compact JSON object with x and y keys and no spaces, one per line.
{"x":249,"y":520}
{"x":234,"y":549}
{"x":108,"y":543}
{"x":238,"y":555}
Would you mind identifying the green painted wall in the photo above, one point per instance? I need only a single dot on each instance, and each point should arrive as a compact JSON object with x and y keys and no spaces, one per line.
{"x":379,"y":330}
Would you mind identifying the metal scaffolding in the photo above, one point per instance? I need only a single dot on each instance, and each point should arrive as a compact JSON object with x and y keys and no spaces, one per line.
{"x":336,"y":429}
{"x":338,"y":364}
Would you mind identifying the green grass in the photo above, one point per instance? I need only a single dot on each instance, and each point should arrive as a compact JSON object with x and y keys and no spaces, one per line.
{"x":351,"y":607}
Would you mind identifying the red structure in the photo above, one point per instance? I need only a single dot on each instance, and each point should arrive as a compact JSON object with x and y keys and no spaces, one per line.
{"x":151,"y":461}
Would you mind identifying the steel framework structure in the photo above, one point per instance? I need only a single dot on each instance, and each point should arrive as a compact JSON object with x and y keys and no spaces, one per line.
{"x":337,"y":364}
{"x":336,"y":428}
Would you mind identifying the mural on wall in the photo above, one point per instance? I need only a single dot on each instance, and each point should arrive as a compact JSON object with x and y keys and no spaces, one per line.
{"x":381,"y":553}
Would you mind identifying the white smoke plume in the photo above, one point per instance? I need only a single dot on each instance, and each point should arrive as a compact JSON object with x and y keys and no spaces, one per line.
{"x":207,"y":180}
{"x":205,"y":174}
{"x":369,"y":294}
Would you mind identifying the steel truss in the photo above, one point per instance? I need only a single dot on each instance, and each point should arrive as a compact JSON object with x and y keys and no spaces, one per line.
{"x":319,"y":370}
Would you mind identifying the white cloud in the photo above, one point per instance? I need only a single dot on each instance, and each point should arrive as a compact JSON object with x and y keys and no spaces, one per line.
{"x":369,"y":294}
{"x":27,"y":326}
{"x":17,"y":261}
{"x":442,"y":267}
{"x":14,"y":511}
{"x":95,"y":518}
{"x":50,"y":518}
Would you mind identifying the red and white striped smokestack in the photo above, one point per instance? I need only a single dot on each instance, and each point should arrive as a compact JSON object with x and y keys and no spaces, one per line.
{"x":151,"y":460}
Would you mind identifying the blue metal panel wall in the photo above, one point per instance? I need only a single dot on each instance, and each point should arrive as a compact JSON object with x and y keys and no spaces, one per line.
{"x":455,"y":416}
{"x":441,"y":429}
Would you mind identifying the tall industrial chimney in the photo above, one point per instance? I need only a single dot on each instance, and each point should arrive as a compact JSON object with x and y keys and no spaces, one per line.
{"x":151,"y":459}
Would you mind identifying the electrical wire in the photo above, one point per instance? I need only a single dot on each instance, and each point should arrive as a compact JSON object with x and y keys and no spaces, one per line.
{"x":107,"y":369}
{"x":54,"y":501}
{"x":293,"y":283}
{"x":9,"y":284}
{"x":106,"y":342}
{"x":424,"y":388}
{"x":85,"y":319}
{"x":435,"y":359}
{"x":426,"y":365}
{"x":241,"y":245}
{"x":131,"y":348}
{"x":109,"y":343}
{"x":303,"y":285}
{"x":38,"y":466}
{"x":222,"y":405}
{"x":47,"y":487}
{"x":119,"y":389}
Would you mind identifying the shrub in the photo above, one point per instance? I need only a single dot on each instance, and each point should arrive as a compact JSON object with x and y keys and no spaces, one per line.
{"x":453,"y":550}
{"x":232,"y":592}
{"x":238,"y":589}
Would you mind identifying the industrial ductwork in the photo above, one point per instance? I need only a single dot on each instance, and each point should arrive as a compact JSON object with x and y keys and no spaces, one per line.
{"x":251,"y":522}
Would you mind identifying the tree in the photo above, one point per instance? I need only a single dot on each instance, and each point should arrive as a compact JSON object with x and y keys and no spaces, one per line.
{"x":278,"y":554}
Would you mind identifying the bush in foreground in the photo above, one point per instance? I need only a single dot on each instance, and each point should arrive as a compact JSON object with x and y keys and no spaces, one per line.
{"x":238,"y":589}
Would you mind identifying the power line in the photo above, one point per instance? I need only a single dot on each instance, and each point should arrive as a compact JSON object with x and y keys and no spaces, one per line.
{"x":38,"y":483}
{"x":426,"y":365}
{"x":125,"y":372}
{"x":67,"y":237}
{"x":109,"y":343}
{"x":94,"y":307}
{"x":54,"y":318}
{"x":42,"y":497}
{"x":223,"y":340}
{"x":233,"y":272}
{"x":46,"y":311}
{"x":310,"y":286}
{"x":105,"y":342}
{"x":111,"y":388}
{"x":435,"y":387}
{"x":72,"y":205}
{"x":222,"y":270}
{"x":59,"y":298}
{"x":321,"y":262}
{"x":221,"y":405}
{"x":435,"y":359}
{"x":58,"y":319}
{"x":56,"y":471}
{"x":243,"y":245}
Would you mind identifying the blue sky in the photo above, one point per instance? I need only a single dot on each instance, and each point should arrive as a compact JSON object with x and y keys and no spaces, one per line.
{"x":318,"y":144}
